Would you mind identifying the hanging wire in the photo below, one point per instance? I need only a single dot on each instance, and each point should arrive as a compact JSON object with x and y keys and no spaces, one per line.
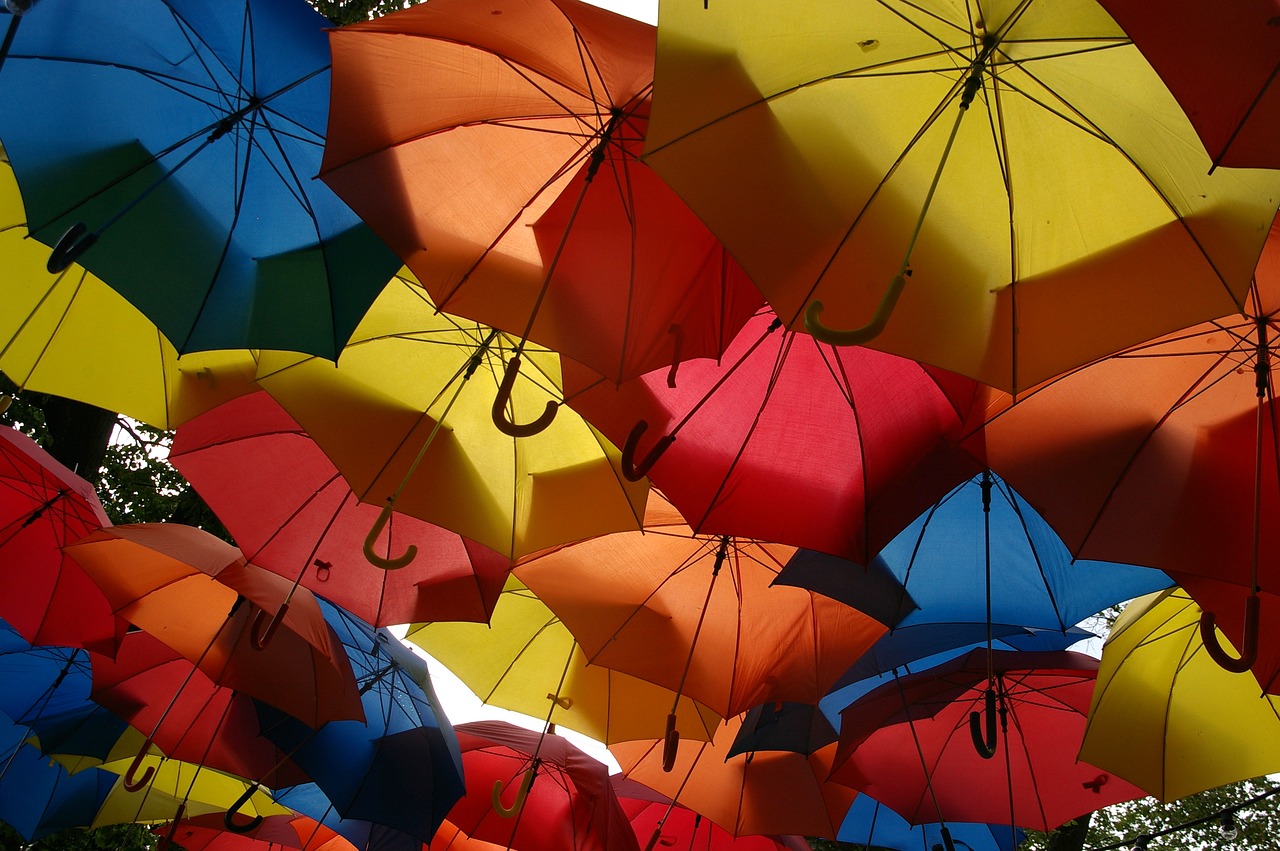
{"x":1215,"y":816}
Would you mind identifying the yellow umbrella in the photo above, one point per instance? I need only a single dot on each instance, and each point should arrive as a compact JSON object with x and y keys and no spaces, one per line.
{"x":406,"y":417}
{"x":72,"y":335}
{"x":1165,"y":716}
{"x":527,"y":661}
{"x":1069,"y":214}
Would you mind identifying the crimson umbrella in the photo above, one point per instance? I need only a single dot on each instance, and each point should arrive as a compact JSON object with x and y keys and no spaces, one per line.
{"x":508,"y":178}
{"x":787,"y":439}
{"x":910,"y":743}
{"x":534,"y":791}
{"x":43,"y":506}
{"x":292,"y":513}
{"x":662,"y":823}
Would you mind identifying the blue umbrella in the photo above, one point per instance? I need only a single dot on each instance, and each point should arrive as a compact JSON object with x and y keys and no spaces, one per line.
{"x":37,"y":796}
{"x":873,"y":825}
{"x":170,"y":146}
{"x":402,"y":769}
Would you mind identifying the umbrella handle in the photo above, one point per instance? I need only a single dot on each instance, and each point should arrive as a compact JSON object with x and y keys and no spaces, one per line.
{"x":229,"y":817}
{"x":630,"y":469}
{"x":521,"y":794}
{"x":985,"y":745}
{"x":163,"y":843}
{"x":500,"y":401}
{"x":394,"y":563}
{"x":670,"y":743}
{"x":854,"y":336}
{"x":260,"y":637}
{"x":74,"y":242}
{"x":947,"y":841}
{"x":1249,"y":642}
{"x":130,"y":781}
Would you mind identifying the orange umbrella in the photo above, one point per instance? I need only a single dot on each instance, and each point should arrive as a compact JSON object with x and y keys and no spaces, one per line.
{"x":697,"y":613}
{"x":197,"y":594}
{"x":766,"y":792}
{"x":496,"y":148}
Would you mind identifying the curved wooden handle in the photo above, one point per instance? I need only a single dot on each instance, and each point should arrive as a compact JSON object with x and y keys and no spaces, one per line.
{"x":500,"y":401}
{"x":74,"y":242}
{"x":131,"y":781}
{"x":635,"y":472}
{"x":1249,"y":642}
{"x":392,"y":563}
{"x":855,"y":336}
{"x":229,"y":817}
{"x":260,"y":637}
{"x":985,"y":745}
{"x":523,"y":792}
{"x":167,"y":839}
{"x":670,"y":744}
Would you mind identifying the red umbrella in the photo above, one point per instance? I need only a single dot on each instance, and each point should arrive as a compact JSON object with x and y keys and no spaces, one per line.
{"x":208,"y":833}
{"x":292,"y":513}
{"x":47,"y":598}
{"x":910,"y":743}
{"x":789,"y":440}
{"x":661,"y":823}
{"x":1222,"y":73}
{"x":536,"y":792}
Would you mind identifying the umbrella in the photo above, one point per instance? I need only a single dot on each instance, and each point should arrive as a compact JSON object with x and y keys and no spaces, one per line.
{"x":406,"y":419}
{"x":1221,"y":75}
{"x":666,"y":824}
{"x":39,"y":798}
{"x":903,"y":743}
{"x":696,"y":614}
{"x":977,"y":564}
{"x":178,"y":167}
{"x":508,"y":178}
{"x":71,"y":335}
{"x":323,"y":830}
{"x":47,"y":598}
{"x":534,"y":791}
{"x":783,"y":726}
{"x":873,"y":825}
{"x":208,"y":833}
{"x":292,"y":513}
{"x":789,"y":440}
{"x":765,"y":792}
{"x":1163,"y":455}
{"x":1165,"y":717}
{"x":400,"y":767}
{"x":197,"y":594}
{"x":527,"y":661}
{"x":1068,"y":215}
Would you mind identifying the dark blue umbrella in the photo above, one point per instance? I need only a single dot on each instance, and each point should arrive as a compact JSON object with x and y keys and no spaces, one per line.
{"x":171,"y":146}
{"x":37,"y":795}
{"x":402,"y":769}
{"x":871,"y":824}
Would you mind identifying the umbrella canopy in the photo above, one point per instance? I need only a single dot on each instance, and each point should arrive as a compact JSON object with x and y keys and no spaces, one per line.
{"x":789,"y":440}
{"x":400,"y":767}
{"x":766,"y":792}
{"x":407,"y":416}
{"x":71,"y":335}
{"x":508,"y":178}
{"x":38,"y":797}
{"x":292,"y":513}
{"x":697,"y":614}
{"x":533,"y":791}
{"x":197,"y":594}
{"x":208,"y":833}
{"x":1068,"y":215}
{"x":873,"y":825}
{"x":1164,"y":454}
{"x":1033,"y":779}
{"x":178,"y":167}
{"x":527,"y":661}
{"x":1223,"y":77}
{"x":47,"y":597}
{"x":1165,"y":717}
{"x":662,"y":823}
{"x":981,"y":562}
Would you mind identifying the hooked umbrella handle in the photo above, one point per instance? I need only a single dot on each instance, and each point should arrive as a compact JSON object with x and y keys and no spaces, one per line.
{"x":523,"y":792}
{"x":505,"y":425}
{"x":391,"y":563}
{"x":229,"y":817}
{"x":167,"y":839}
{"x":260,"y":637}
{"x":74,"y":242}
{"x":1248,"y":643}
{"x":670,"y":743}
{"x":854,"y":336}
{"x":131,"y":781}
{"x":984,"y":744}
{"x":632,"y":471}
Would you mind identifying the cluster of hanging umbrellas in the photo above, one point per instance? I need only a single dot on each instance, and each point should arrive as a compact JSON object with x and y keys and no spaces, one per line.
{"x":769,"y":394}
